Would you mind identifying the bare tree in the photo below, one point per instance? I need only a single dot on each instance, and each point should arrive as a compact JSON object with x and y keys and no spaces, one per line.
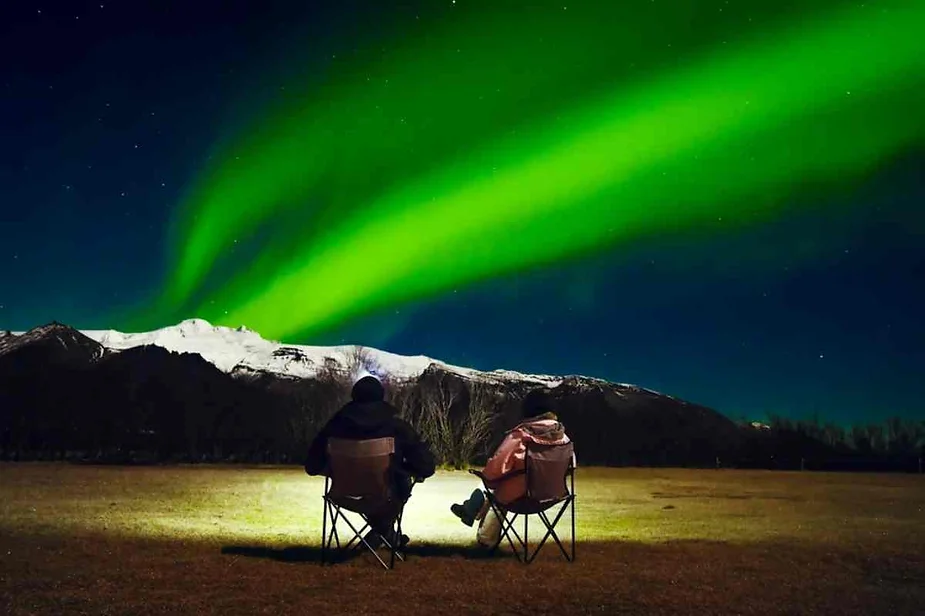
{"x":878,"y":442}
{"x":329,"y":391}
{"x":435,"y":422}
{"x":401,"y":394}
{"x":860,"y":439}
{"x":359,"y":360}
{"x":834,"y":435}
{"x":476,"y":426}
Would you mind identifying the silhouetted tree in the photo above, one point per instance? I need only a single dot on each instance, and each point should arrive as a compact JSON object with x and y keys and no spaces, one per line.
{"x":481,"y":415}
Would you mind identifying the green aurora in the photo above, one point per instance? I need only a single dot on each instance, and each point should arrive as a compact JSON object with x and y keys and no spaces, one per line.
{"x":382,"y":188}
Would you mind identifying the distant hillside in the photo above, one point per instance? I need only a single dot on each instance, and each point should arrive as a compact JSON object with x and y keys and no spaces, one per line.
{"x":198,"y":392}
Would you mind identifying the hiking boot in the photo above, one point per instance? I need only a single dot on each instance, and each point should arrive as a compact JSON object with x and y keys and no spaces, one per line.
{"x":403,"y":541}
{"x":470,"y":507}
{"x":373,"y":539}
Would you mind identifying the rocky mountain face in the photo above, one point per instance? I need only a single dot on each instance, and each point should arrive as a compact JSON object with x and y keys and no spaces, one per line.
{"x":153,"y":396}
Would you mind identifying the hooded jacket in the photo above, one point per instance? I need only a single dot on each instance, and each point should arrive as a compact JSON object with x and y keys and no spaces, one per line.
{"x":369,"y":416}
{"x":544,"y":429}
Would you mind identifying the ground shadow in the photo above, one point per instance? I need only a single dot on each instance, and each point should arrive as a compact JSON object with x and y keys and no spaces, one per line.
{"x":293,"y":554}
{"x":301,"y":554}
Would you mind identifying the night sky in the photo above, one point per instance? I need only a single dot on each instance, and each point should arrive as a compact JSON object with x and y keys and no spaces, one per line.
{"x":720,"y":200}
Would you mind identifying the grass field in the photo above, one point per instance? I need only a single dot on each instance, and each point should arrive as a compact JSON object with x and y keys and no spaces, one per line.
{"x":232,"y":540}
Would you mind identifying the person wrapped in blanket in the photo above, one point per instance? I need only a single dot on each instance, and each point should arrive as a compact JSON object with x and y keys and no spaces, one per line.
{"x":539,"y":425}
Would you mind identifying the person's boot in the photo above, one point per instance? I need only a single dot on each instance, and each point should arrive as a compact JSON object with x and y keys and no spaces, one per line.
{"x":375,"y":540}
{"x":470,"y":507}
{"x":398,"y":541}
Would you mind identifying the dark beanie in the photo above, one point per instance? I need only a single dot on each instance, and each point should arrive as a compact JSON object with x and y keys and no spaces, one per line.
{"x":368,"y":389}
{"x":536,"y":403}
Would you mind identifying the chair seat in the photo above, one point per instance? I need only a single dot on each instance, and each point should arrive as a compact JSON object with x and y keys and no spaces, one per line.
{"x":528,"y":506}
{"x":362,"y":504}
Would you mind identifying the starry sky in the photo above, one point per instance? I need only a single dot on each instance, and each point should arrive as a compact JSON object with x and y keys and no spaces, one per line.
{"x":716,"y":199}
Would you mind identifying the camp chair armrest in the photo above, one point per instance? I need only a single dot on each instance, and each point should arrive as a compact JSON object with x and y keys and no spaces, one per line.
{"x":499,"y":480}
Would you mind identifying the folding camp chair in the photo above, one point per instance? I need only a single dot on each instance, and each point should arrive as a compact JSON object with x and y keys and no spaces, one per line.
{"x":359,"y":480}
{"x":550,"y":481}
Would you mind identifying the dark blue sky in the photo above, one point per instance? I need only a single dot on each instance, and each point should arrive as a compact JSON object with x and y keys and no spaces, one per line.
{"x":108,"y":111}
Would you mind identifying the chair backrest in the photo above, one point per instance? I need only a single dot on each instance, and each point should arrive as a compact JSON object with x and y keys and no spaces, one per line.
{"x":360,"y":468}
{"x":548,"y":467}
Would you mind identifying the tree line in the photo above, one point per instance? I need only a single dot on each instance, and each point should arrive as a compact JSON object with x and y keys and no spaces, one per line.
{"x":895,"y":444}
{"x":147,"y":404}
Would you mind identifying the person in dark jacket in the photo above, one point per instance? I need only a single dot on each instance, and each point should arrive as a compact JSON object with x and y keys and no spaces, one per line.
{"x":369,"y":416}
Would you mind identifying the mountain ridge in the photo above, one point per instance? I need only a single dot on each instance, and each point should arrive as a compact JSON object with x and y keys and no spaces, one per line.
{"x":241,"y":348}
{"x":199,"y":391}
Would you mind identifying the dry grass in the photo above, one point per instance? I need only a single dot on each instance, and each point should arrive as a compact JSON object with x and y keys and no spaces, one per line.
{"x":223,"y":540}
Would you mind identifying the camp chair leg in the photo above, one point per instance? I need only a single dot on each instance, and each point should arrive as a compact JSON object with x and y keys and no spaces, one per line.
{"x":324,"y":528}
{"x":330,"y":535}
{"x":358,"y":540}
{"x":354,"y":543}
{"x":526,"y":540}
{"x":335,"y":514}
{"x":551,"y":532}
{"x":393,"y":549}
{"x":359,"y":535}
{"x":506,"y":529}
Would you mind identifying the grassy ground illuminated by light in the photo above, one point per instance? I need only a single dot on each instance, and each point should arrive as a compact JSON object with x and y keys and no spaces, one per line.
{"x":232,"y":540}
{"x":284,"y":505}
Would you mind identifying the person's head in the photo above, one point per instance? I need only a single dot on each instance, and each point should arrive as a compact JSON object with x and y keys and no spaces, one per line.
{"x":535,"y":403}
{"x":368,"y":389}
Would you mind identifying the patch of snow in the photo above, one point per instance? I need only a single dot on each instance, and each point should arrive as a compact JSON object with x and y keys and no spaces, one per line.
{"x":242,"y":351}
{"x":540,"y":379}
{"x":241,"y":348}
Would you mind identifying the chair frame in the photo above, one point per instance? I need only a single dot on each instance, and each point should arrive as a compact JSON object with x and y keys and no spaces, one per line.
{"x":331,"y":541}
{"x":533,"y":508}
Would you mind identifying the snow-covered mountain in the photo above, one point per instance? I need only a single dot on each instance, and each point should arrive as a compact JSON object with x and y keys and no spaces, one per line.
{"x":234,"y":350}
{"x":194,"y":389}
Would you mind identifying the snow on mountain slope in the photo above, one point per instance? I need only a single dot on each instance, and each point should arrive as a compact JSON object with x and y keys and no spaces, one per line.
{"x":229,"y":348}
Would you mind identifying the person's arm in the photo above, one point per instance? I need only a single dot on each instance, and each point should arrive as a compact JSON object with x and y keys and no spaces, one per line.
{"x":316,"y":459}
{"x":416,"y":455}
{"x":502,"y":461}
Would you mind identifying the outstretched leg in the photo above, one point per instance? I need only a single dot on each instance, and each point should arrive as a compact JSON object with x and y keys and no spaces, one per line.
{"x":469,"y":511}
